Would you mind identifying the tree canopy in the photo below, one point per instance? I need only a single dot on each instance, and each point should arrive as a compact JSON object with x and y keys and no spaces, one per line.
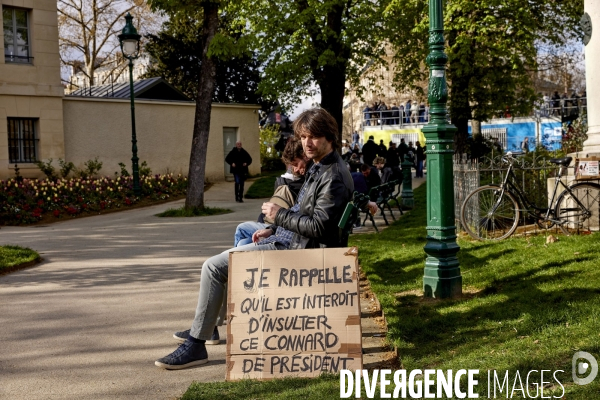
{"x":492,"y":48}
{"x":309,"y":43}
{"x":177,"y":49}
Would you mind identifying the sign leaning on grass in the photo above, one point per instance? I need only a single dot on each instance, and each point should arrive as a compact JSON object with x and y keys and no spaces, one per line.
{"x":293,"y":313}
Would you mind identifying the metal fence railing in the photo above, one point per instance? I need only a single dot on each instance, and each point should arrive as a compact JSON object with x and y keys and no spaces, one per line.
{"x":564,"y":108}
{"x":396,"y":117}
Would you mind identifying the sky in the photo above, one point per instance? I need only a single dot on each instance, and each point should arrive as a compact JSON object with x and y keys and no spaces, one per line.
{"x":307,"y":102}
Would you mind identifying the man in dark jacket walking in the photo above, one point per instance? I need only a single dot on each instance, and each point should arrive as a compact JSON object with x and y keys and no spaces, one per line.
{"x":239,"y":159}
{"x":369,"y":151}
{"x":382,"y":150}
{"x":402,"y":150}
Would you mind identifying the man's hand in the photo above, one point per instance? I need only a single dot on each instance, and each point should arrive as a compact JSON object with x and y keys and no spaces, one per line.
{"x":244,"y":164}
{"x":270,"y":210}
{"x":233,"y":165}
{"x":372,"y":207}
{"x":261,"y":234}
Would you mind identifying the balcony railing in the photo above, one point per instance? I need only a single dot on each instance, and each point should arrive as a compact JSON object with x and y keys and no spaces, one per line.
{"x":395,"y":117}
{"x":565,"y":109}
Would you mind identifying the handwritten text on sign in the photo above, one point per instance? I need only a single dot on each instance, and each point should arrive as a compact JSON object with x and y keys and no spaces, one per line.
{"x":293,"y":313}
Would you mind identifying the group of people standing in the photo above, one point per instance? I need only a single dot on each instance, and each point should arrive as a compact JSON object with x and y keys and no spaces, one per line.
{"x":561,"y":104}
{"x":371,"y":154}
{"x":379,"y":113}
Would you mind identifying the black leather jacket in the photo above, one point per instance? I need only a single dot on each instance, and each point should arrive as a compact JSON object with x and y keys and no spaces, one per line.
{"x":327,"y":193}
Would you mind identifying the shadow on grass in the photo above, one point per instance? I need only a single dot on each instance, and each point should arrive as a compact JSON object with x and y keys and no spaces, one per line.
{"x":462,"y":324}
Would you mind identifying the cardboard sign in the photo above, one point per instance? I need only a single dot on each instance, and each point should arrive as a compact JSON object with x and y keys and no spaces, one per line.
{"x":587,"y":168}
{"x":293,"y":313}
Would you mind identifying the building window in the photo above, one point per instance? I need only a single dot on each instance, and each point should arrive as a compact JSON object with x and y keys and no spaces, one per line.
{"x":22,"y":141}
{"x":16,"y":35}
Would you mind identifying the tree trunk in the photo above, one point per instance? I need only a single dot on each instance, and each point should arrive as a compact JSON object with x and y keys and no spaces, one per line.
{"x":333,"y":86}
{"x":475,"y":127}
{"x":460,"y":109}
{"x":206,"y":86}
{"x":460,"y":112}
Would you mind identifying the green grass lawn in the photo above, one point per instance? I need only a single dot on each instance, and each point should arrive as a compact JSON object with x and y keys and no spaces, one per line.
{"x":263,"y":186}
{"x":526,"y":305}
{"x":13,"y":256}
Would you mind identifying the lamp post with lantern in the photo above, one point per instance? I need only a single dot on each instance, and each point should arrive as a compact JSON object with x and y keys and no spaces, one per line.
{"x":130,"y":47}
{"x":442,"y":277}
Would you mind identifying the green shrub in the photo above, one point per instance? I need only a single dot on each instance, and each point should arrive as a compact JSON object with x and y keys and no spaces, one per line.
{"x":144,"y":169}
{"x":124,"y":171}
{"x":47,"y":168}
{"x":92,"y":167}
{"x":575,"y":134}
{"x":65,"y":167}
{"x":269,"y":158}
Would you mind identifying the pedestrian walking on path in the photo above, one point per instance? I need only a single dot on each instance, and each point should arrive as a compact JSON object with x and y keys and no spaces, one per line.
{"x":239,"y":160}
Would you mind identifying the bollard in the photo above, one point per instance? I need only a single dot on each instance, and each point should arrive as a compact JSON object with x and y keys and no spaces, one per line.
{"x":408,"y":199}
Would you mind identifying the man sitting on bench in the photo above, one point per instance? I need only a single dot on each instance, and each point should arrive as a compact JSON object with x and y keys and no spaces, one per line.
{"x":311,"y":223}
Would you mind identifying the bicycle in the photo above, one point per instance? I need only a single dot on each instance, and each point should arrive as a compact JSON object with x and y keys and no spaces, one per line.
{"x":492,"y":212}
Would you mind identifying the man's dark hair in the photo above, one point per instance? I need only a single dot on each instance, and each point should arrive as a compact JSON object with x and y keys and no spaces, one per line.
{"x":319,"y":123}
{"x":365,"y":167}
{"x":293,"y":149}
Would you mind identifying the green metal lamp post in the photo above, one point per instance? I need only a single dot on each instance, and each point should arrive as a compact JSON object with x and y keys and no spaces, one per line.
{"x":442,"y":278}
{"x":130,"y":47}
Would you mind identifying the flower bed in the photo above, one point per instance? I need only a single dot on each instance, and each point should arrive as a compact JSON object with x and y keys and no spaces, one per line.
{"x":31,"y":200}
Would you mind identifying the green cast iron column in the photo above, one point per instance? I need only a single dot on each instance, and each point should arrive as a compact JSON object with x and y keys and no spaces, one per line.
{"x":442,"y":277}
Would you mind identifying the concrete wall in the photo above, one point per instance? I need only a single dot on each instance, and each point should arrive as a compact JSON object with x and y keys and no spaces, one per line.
{"x":102,"y":128}
{"x":33,"y":90}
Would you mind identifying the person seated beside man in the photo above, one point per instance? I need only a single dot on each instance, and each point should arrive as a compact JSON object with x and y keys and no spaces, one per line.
{"x":371,"y":175}
{"x":362,"y":186}
{"x":293,"y":158}
{"x":384,"y":171}
{"x":311,"y":223}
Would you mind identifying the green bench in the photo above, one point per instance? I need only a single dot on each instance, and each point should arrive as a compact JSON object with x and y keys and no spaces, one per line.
{"x":351,"y":215}
{"x":383,"y":195}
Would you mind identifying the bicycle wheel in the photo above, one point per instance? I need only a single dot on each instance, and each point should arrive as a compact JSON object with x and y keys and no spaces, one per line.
{"x":576,"y":218}
{"x":489,"y":214}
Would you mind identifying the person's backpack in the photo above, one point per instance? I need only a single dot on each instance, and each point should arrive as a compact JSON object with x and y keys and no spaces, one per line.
{"x":283,"y":197}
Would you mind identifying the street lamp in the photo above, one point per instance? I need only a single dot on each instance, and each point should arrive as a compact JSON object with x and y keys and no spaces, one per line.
{"x":442,"y":276}
{"x":130,"y":47}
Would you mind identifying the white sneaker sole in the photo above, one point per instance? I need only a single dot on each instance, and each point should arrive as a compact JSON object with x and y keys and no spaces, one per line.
{"x":182,"y":366}
{"x":208,"y":342}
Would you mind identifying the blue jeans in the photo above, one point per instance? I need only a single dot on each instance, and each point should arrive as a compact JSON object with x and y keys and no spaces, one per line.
{"x":244,"y":231}
{"x":213,"y":284}
{"x":419,"y":169}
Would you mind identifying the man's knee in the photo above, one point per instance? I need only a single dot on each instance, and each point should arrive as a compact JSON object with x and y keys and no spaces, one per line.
{"x":212,"y":269}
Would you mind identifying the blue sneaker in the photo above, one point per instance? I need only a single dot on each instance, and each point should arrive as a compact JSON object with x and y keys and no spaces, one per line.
{"x":187,"y":355}
{"x":183,"y":335}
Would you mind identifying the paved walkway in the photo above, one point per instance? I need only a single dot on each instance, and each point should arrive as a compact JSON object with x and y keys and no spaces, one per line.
{"x":90,"y":320}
